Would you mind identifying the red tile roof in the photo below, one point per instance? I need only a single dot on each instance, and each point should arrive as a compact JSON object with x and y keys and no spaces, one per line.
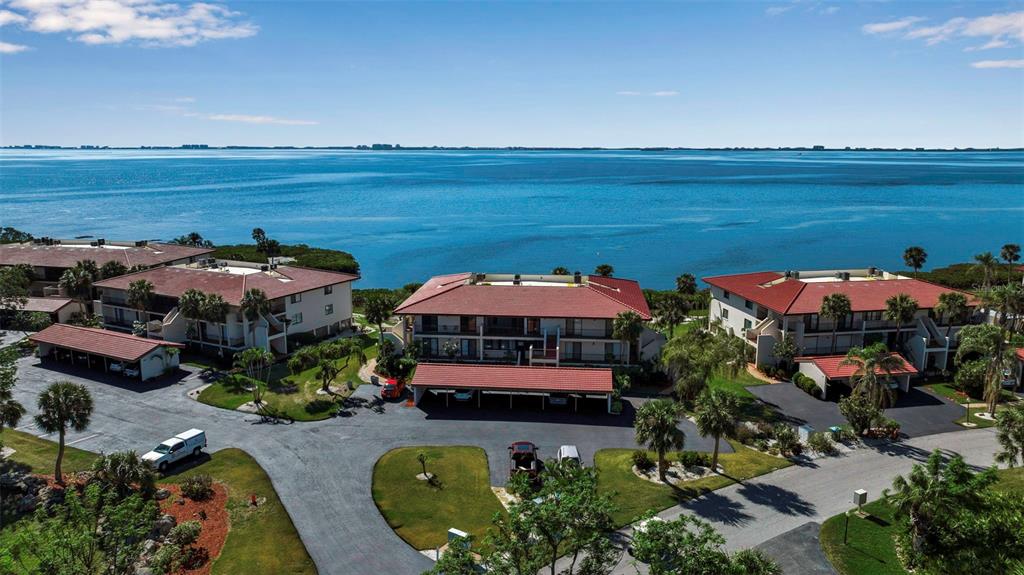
{"x":830,"y":366}
{"x":67,"y":255}
{"x":44,"y":304}
{"x":284,"y":281}
{"x":512,"y":378}
{"x":120,"y":346}
{"x":597,"y":298}
{"x":793,"y":296}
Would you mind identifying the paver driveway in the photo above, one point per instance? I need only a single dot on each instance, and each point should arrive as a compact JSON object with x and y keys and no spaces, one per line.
{"x":322,"y":470}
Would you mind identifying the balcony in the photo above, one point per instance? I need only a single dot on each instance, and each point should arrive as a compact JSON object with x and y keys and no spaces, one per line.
{"x":503,"y":331}
{"x":588,"y":334}
{"x":446,"y":330}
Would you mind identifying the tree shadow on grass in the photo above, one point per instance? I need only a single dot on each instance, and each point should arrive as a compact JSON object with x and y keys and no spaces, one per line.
{"x":778,"y":498}
{"x":318,"y":406}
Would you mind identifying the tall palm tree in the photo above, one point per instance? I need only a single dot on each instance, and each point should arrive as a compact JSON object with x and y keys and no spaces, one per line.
{"x":656,"y":428}
{"x":899,"y":309}
{"x":1007,"y":302}
{"x":63,"y":405}
{"x":870,"y":363}
{"x":112,"y":269}
{"x":139,"y":296}
{"x":952,"y":305}
{"x":122,"y":471}
{"x":672,"y":311}
{"x":77,"y":282}
{"x":987,"y":264}
{"x":716,"y":415}
{"x":10,"y":410}
{"x":254,"y":305}
{"x":378,"y":309}
{"x":835,"y":307}
{"x":89,"y":267}
{"x":1010,"y":423}
{"x":1010,"y":253}
{"x":627,"y":327}
{"x":914,"y":257}
{"x":190,"y":306}
{"x":214,"y":310}
{"x":686,"y":284}
{"x":328,"y":371}
{"x":989,"y":342}
{"x":256,"y":362}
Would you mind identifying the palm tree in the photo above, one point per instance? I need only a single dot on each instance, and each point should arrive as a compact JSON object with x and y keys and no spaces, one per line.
{"x":686,"y":284}
{"x":900,"y":309}
{"x":112,"y":269}
{"x":190,"y":306}
{"x":672,"y":311}
{"x":139,"y":296}
{"x":561,"y":271}
{"x":716,"y":415}
{"x":989,"y":342}
{"x":328,"y":371}
{"x":656,"y":428}
{"x":871,"y":362}
{"x":835,"y":307}
{"x":89,"y":267}
{"x":63,"y":405}
{"x":122,"y":470}
{"x":1011,"y":255}
{"x":254,"y":305}
{"x":604,"y":270}
{"x":378,"y":309}
{"x":1006,"y":300}
{"x":1010,"y":424}
{"x":10,"y":410}
{"x":914,"y":257}
{"x":987,"y":264}
{"x":952,"y":305}
{"x":214,"y":310}
{"x":256,"y":362}
{"x":77,"y":282}
{"x":627,"y":327}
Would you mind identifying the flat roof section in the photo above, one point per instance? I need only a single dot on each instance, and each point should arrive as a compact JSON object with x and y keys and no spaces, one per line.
{"x":120,"y":346}
{"x":512,"y":378}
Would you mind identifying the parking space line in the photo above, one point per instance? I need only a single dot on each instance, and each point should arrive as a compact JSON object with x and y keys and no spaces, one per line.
{"x":82,"y":439}
{"x":24,"y":427}
{"x":43,"y":435}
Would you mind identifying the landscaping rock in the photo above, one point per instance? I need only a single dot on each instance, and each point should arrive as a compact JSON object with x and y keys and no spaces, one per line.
{"x":161,"y":494}
{"x":164,"y":524}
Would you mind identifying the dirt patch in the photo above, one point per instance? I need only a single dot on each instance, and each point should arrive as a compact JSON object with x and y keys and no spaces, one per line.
{"x":215,"y":525}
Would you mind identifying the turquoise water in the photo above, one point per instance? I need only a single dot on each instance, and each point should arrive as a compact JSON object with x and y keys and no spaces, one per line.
{"x":653,"y":215}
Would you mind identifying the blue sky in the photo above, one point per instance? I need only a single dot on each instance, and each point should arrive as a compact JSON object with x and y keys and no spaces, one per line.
{"x":136,"y":72}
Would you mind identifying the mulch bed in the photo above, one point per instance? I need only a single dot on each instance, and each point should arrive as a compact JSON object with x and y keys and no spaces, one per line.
{"x":215,"y":526}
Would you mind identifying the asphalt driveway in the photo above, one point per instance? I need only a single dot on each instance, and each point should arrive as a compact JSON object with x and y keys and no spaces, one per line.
{"x":919,"y":411}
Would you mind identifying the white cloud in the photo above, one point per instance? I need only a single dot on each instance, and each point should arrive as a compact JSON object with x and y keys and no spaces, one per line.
{"x":148,"y":22}
{"x":891,"y":26}
{"x":257,"y":119}
{"x":8,"y":48}
{"x":8,"y":17}
{"x":998,"y":64}
{"x":664,"y":93}
{"x":777,"y":10}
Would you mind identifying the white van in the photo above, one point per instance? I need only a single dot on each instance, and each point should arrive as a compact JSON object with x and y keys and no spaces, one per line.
{"x":187,"y":443}
{"x":569,"y":453}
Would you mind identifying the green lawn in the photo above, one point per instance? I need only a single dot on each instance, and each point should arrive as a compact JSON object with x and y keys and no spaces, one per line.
{"x":421,"y":514}
{"x":262,"y":539}
{"x":634,"y":496}
{"x":292,"y":395}
{"x":869,"y":547}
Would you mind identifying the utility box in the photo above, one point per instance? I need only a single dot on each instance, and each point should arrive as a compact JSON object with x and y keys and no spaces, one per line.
{"x":804,"y":432}
{"x":860,"y":497}
{"x":458,"y":537}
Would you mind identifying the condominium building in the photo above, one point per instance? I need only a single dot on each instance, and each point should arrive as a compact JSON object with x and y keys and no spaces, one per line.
{"x":302,"y":301}
{"x":760,"y":307}
{"x":541,"y":320}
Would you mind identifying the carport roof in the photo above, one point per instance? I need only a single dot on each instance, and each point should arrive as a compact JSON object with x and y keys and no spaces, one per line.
{"x":831,"y":366}
{"x":120,"y":346}
{"x":513,"y":378}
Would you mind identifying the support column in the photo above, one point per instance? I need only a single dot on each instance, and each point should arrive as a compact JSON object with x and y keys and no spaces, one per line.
{"x":609,"y":403}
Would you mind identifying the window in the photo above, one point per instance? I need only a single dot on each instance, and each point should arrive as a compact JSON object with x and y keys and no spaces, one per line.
{"x":747,"y":324}
{"x":725,"y":313}
{"x":329,"y":309}
{"x":296,"y":297}
{"x":297,"y":318}
{"x":429,"y":323}
{"x":328,"y":290}
{"x":872,"y":315}
{"x":748,"y":304}
{"x":726,"y":294}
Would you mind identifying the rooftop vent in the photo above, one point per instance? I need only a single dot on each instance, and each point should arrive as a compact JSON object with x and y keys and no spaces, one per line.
{"x":479,"y":278}
{"x":872,"y":271}
{"x":516,"y":280}
{"x":264,"y":268}
{"x":577,"y":278}
{"x":141,"y":243}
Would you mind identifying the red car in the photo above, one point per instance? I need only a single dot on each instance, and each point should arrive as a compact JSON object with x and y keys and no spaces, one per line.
{"x":392,"y":389}
{"x":523,"y":458}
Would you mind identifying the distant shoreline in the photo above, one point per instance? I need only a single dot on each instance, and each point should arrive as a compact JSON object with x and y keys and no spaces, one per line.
{"x":396,"y":148}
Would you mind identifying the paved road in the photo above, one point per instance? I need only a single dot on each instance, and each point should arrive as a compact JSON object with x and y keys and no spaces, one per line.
{"x":322,"y":471}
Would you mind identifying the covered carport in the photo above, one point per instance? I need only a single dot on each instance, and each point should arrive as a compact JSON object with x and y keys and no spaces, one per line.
{"x":543,"y":383}
{"x":106,"y":351}
{"x":828,"y":369}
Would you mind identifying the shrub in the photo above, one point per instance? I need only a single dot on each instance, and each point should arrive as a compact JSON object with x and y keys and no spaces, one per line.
{"x":185,"y":534}
{"x":642,"y":461}
{"x":694,"y":459}
{"x":970,"y":377}
{"x":197,"y":487}
{"x":859,"y":412}
{"x":822,"y":443}
{"x":744,"y":434}
{"x":167,"y":559}
{"x":786,"y":439}
{"x":760,"y":444}
{"x":807,"y":384}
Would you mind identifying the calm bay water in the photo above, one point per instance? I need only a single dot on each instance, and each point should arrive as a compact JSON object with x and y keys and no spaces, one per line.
{"x":409,"y":215}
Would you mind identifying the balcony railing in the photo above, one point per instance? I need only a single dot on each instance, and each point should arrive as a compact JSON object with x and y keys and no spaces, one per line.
{"x":446,"y":330}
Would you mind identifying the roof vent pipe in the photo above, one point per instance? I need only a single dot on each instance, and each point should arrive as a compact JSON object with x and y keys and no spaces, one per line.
{"x":577,"y":278}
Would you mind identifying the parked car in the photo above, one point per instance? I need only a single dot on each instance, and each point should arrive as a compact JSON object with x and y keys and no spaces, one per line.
{"x":522,"y":456}
{"x":131,"y":371}
{"x":569,"y":453}
{"x":392,"y":389}
{"x":180,"y":446}
{"x":116,"y":367}
{"x":558,"y":399}
{"x":464,"y":395}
